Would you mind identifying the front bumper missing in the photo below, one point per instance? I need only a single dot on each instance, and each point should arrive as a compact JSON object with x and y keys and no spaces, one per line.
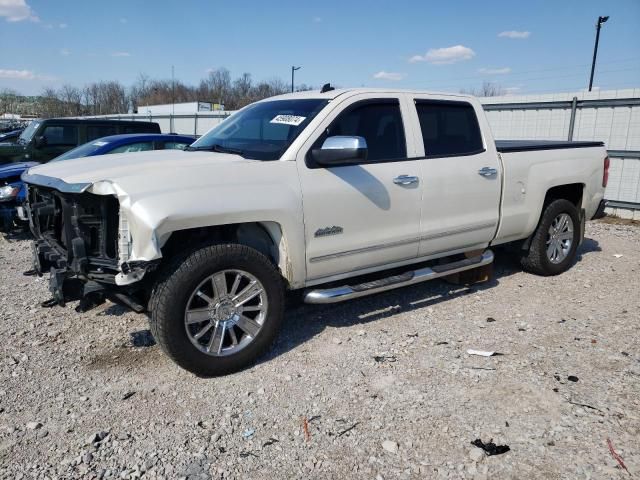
{"x":71,"y":282}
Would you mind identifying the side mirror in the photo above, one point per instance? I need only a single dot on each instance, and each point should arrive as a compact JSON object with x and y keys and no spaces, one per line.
{"x":341,"y":150}
{"x":40,"y":142}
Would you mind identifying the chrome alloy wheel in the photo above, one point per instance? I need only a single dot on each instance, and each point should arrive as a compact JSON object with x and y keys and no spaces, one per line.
{"x":225,"y":312}
{"x":559,"y":238}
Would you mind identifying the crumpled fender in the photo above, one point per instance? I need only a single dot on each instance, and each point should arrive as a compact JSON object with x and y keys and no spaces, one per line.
{"x":150,"y":219}
{"x":144,"y":244}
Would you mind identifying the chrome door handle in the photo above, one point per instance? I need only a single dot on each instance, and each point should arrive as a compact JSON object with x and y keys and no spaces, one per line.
{"x":405,"y":180}
{"x":488,"y":171}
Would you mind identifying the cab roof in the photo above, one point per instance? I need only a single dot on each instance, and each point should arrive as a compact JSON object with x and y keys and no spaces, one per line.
{"x":331,"y":94}
{"x":90,"y":121}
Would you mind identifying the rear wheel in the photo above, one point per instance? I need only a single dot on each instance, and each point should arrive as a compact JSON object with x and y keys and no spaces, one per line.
{"x":555,"y":242}
{"x":218,"y":310}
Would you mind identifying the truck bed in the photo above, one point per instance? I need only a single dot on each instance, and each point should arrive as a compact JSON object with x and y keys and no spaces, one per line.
{"x":506,"y":146}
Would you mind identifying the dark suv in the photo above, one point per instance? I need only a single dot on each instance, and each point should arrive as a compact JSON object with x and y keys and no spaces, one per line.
{"x":43,"y":140}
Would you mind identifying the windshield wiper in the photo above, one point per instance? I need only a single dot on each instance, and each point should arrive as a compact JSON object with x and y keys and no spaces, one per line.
{"x":216,"y":148}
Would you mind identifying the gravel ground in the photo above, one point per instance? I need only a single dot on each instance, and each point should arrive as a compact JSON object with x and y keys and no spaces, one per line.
{"x":378,"y":388}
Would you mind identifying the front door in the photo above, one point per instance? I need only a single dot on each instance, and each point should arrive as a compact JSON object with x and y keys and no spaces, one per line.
{"x":461,"y":177}
{"x":360,"y":217}
{"x":58,"y":139}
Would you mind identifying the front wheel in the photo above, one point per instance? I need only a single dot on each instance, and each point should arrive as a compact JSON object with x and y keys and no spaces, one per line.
{"x":555,"y":242}
{"x":218,"y":310}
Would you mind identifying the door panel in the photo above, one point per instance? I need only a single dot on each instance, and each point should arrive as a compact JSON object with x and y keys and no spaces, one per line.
{"x":461,"y":178}
{"x":356,"y":216}
{"x":59,"y":139}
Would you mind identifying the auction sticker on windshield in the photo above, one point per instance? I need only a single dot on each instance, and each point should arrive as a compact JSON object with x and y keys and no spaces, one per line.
{"x":294,"y":120}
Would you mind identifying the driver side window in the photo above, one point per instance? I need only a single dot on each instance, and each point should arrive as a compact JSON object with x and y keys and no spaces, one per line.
{"x":379,"y":122}
{"x":56,"y":135}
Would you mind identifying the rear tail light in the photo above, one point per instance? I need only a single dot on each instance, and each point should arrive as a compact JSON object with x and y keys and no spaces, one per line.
{"x":605,"y":173}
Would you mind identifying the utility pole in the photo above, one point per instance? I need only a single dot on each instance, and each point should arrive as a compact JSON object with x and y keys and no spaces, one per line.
{"x":601,"y":20}
{"x":173,"y":98}
{"x":293,"y":70}
{"x":173,"y":90}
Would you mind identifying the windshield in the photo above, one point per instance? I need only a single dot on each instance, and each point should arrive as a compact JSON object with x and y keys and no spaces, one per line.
{"x":85,"y":150}
{"x":27,"y":134}
{"x":262,"y":131}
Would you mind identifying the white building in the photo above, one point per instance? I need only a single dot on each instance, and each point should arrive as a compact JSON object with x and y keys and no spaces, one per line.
{"x":188,"y":108}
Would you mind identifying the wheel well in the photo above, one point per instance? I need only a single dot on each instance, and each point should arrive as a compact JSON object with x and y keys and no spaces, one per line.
{"x":265,"y":237}
{"x":571,"y":192}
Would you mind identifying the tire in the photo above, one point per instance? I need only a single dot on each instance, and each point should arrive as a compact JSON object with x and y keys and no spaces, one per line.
{"x":184,"y":302}
{"x":539,"y":260}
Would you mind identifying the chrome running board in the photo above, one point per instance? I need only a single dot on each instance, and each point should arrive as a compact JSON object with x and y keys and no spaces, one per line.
{"x":348,"y":292}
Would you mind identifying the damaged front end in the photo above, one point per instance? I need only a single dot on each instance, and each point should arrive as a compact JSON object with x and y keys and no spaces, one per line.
{"x":82,"y":239}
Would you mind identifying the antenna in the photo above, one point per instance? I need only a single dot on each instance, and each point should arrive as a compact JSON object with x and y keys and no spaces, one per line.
{"x":326,"y":88}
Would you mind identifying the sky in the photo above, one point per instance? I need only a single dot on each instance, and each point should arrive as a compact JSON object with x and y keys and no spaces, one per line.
{"x":523,"y":46}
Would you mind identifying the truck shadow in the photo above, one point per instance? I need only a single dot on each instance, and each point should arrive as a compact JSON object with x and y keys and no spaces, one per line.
{"x":589,"y":245}
{"x":303,"y":322}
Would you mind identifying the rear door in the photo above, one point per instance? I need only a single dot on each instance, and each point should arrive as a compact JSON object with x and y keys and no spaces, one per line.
{"x":361,"y":217}
{"x":461,"y":176}
{"x":99,"y":131}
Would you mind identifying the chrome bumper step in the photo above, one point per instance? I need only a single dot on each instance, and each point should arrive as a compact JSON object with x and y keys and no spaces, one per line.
{"x":348,"y":292}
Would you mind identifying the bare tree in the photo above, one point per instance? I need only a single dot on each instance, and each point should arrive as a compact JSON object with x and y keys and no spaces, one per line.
{"x":103,"y":98}
{"x":71,"y":98}
{"x":50,"y":104}
{"x":216,"y":86}
{"x":303,"y":87}
{"x":8,"y":100}
{"x":139,"y":90}
{"x":488,"y":89}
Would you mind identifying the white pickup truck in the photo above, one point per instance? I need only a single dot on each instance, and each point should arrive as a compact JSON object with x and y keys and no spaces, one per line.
{"x":342,"y":193}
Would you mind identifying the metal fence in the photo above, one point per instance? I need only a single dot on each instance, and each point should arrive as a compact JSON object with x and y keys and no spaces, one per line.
{"x":612,"y":117}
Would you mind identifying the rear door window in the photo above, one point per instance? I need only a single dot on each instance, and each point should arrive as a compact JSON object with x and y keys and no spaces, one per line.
{"x":449,"y":128}
{"x":99,"y":131}
{"x":66,"y":135}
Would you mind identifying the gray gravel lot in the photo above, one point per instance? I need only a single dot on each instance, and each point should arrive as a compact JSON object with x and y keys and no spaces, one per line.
{"x":378,"y":388}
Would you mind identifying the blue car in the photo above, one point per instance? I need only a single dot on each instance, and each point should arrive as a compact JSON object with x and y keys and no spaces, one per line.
{"x":13,"y":192}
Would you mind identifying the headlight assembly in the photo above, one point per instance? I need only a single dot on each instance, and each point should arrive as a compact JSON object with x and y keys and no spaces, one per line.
{"x":8,"y":192}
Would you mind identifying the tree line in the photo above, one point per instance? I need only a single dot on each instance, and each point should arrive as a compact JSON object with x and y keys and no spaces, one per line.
{"x":110,"y":97}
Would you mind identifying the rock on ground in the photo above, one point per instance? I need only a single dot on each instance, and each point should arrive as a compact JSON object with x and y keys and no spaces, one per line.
{"x":72,"y":374}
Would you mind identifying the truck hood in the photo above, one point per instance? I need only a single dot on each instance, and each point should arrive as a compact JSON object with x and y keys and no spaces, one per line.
{"x":164,"y":191}
{"x":150,"y":172}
